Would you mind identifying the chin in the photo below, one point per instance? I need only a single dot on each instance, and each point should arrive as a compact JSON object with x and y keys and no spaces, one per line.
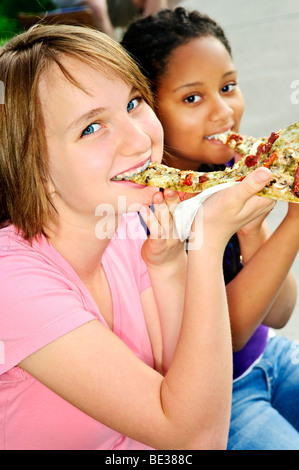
{"x":221,"y":159}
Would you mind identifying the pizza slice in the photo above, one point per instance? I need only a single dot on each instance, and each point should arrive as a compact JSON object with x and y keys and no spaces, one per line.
{"x":242,"y":144}
{"x":246,"y":145}
{"x":280,"y":153}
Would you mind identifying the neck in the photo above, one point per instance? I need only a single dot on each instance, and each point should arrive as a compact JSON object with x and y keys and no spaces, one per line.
{"x":177,"y":161}
{"x":81,"y":247}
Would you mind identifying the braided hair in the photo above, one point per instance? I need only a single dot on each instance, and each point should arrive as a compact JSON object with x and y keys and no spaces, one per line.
{"x":152,"y":39}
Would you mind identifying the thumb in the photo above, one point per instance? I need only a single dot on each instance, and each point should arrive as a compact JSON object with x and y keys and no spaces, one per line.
{"x":255,"y":181}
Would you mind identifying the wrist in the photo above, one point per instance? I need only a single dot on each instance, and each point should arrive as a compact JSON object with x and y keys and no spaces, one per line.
{"x":292,"y":216}
{"x":175,"y":260}
{"x":255,"y":230}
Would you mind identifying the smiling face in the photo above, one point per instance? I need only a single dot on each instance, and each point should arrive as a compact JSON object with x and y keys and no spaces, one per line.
{"x":197,"y":98}
{"x":92,"y":134}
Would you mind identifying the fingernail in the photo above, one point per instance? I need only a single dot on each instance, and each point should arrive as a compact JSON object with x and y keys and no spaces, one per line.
{"x":262,"y":175}
{"x":170,"y":194}
{"x":158,"y":198}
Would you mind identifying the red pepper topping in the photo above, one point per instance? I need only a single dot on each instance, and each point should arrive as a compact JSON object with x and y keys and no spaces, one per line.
{"x":203,"y":179}
{"x":296,"y":183}
{"x":265,"y":148}
{"x":236,"y":137}
{"x":251,"y":160}
{"x":270,"y":160}
{"x":188,"y":180}
{"x":274,"y":136}
{"x":260,"y":149}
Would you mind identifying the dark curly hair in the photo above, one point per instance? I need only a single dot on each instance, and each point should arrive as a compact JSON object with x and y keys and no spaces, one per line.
{"x":152,"y":39}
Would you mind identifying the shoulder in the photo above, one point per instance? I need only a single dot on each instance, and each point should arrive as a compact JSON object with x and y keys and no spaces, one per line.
{"x":40,"y":297}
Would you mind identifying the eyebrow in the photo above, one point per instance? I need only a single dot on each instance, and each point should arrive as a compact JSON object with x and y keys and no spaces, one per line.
{"x":187,"y":85}
{"x":85,"y":118}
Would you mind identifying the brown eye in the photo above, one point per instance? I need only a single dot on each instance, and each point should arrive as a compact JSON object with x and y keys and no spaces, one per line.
{"x":192,"y":99}
{"x":228,"y":88}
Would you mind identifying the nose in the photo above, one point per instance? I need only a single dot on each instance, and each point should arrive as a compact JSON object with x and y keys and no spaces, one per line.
{"x":134,"y":140}
{"x":220,"y":109}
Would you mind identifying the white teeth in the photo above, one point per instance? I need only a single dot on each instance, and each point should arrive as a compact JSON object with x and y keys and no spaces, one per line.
{"x":128,"y":174}
{"x":219,"y":136}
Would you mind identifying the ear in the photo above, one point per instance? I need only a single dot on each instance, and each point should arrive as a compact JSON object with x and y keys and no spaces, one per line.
{"x":50,"y":186}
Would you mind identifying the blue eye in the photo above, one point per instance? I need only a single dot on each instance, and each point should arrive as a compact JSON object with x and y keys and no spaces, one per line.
{"x":133,"y":104}
{"x":91,"y":129}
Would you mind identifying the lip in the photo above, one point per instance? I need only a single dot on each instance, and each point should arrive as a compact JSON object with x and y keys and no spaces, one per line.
{"x":131,"y":184}
{"x":147,"y":161}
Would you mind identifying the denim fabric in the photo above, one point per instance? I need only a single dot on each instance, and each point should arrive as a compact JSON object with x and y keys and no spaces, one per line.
{"x":265,"y":407}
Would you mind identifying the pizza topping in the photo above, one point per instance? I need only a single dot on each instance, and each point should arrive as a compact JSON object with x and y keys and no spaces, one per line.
{"x":242,"y":178}
{"x":265,"y":148}
{"x":274,"y":136}
{"x":270,"y":160}
{"x":281,"y":184}
{"x":251,"y":160}
{"x":203,"y":178}
{"x":188,"y":180}
{"x":236,"y":137}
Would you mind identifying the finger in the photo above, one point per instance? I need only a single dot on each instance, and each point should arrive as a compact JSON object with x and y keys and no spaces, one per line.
{"x":158,"y":198}
{"x":253,"y":183}
{"x":171,"y":194}
{"x":172,"y":199}
{"x":185,"y":196}
{"x":166,"y":200}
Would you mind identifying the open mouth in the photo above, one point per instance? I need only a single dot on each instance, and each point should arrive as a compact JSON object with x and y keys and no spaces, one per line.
{"x":135,"y":171}
{"x":222,"y":136}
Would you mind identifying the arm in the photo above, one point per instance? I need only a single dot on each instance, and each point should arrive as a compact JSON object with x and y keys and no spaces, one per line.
{"x":264,"y":291}
{"x":184,"y":410}
{"x":189,"y":408}
{"x":166,"y":261}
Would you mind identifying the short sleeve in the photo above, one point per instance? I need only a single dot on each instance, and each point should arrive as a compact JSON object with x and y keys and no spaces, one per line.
{"x":38,"y":305}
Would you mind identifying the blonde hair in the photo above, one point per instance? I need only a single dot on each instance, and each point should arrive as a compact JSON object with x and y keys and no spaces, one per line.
{"x":24,"y":199}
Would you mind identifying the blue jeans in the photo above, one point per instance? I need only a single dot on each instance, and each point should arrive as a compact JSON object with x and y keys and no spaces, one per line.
{"x":265,"y":407}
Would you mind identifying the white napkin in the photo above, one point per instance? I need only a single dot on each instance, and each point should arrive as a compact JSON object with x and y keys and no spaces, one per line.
{"x":186,"y":211}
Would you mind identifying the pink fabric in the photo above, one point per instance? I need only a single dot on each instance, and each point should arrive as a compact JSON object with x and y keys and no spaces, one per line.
{"x":42,"y":298}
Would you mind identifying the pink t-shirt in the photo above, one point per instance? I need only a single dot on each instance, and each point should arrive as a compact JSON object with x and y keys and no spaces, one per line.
{"x":42,"y":298}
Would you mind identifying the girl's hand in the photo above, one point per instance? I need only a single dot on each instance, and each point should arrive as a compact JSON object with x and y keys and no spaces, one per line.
{"x":228,"y":211}
{"x":255,"y":228}
{"x":163,"y":245}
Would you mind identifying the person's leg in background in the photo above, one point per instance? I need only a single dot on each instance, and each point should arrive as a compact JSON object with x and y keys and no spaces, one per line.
{"x":265,"y":412}
{"x":153,"y":6}
{"x":110,"y":14}
{"x":101,"y":15}
{"x":99,"y":9}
